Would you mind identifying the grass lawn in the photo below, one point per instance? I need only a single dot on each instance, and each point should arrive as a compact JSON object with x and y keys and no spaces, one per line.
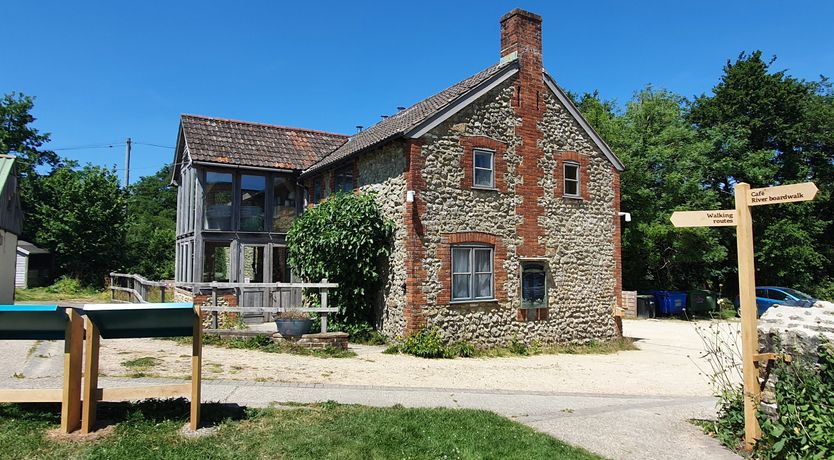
{"x":327,"y":430}
{"x":43,"y":294}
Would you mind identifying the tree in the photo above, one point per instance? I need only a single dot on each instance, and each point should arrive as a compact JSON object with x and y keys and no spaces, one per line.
{"x":81,"y":213}
{"x":768,"y":128}
{"x":343,"y":239}
{"x":665,"y":166}
{"x":151,"y":226}
{"x":19,"y":138}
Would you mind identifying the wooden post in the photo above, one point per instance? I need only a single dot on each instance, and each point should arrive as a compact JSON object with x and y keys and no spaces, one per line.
{"x":747,"y":298}
{"x":215,"y":319}
{"x":73,"y":352}
{"x":112,"y":291}
{"x":323,"y":293}
{"x":162,"y":293}
{"x":88,"y":412}
{"x":196,"y":368}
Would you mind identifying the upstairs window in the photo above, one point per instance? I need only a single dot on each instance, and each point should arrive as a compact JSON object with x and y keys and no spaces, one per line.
{"x":218,"y":202}
{"x":484,"y":163}
{"x":472,"y":274}
{"x":283,"y":203}
{"x":571,"y":176}
{"x":318,"y":190}
{"x":533,"y":285}
{"x":252,"y":203}
{"x":344,"y":180}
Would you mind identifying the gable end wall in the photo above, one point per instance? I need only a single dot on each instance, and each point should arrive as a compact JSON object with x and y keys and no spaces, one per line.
{"x":526,"y":216}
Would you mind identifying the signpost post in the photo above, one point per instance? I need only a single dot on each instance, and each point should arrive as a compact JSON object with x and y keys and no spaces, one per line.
{"x":741,"y":218}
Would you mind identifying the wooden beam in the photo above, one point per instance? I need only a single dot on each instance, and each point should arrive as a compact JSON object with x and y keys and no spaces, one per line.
{"x":182,"y":390}
{"x":73,"y":353}
{"x":88,"y":408}
{"x":31,"y":395}
{"x":196,"y":368}
{"x":747,"y":297}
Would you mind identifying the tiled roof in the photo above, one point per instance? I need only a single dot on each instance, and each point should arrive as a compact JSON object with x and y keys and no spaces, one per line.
{"x":405,"y":120}
{"x":218,"y":140}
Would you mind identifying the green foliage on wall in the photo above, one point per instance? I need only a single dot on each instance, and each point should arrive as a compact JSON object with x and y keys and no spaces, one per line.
{"x":343,"y":239}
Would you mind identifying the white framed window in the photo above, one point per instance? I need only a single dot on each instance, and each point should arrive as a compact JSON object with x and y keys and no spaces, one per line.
{"x":483,"y":162}
{"x":571,"y":179}
{"x":533,"y":285}
{"x":472,"y":273}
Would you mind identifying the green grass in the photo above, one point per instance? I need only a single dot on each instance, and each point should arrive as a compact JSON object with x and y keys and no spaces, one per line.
{"x":328,"y":430}
{"x":265,"y":344}
{"x":43,"y":294}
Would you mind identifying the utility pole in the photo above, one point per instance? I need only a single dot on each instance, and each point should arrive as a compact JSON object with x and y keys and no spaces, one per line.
{"x":127,"y":162}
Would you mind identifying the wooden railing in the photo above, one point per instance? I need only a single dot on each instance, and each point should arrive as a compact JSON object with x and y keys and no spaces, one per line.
{"x":281,"y":297}
{"x":138,"y":288}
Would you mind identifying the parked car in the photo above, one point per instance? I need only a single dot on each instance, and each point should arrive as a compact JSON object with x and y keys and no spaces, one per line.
{"x":768,"y":296}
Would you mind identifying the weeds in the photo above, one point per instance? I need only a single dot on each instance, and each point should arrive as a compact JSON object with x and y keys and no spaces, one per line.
{"x":427,"y":343}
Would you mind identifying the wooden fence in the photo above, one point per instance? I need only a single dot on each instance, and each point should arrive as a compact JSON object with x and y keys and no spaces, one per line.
{"x":138,"y":289}
{"x":276,"y":298}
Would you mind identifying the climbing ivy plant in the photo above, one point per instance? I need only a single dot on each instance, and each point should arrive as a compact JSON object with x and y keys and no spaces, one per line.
{"x":343,"y":239}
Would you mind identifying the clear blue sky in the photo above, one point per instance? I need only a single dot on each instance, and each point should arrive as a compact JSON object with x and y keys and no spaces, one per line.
{"x":103,"y":71}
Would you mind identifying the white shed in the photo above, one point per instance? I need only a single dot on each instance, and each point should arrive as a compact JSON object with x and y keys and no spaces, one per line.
{"x":11,"y":221}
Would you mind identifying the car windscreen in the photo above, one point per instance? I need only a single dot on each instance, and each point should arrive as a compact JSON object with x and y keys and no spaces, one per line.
{"x":799,"y":295}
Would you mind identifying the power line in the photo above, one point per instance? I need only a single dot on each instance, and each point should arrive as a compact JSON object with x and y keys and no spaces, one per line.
{"x":153,"y":145}
{"x":91,"y":146}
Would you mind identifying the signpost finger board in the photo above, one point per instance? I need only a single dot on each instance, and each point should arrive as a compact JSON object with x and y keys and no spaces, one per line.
{"x":742,"y":220}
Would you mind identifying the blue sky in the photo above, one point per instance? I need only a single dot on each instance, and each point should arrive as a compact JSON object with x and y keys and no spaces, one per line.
{"x":103,"y":71}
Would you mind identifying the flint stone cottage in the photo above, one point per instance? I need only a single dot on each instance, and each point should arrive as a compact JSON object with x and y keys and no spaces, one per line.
{"x":506,"y":203}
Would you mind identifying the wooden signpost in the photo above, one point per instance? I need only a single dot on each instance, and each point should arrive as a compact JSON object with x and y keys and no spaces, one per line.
{"x":742,"y":220}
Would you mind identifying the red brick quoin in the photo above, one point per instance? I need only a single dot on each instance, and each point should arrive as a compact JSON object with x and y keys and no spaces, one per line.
{"x":415,"y":238}
{"x":469,"y":143}
{"x":444,"y":253}
{"x":559,"y":173}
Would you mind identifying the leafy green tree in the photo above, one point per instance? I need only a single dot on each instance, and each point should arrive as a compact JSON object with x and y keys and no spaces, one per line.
{"x":151,"y":226}
{"x":767,"y":128}
{"x":82,"y":221}
{"x":343,"y":239}
{"x":665,"y":166}
{"x":19,"y":138}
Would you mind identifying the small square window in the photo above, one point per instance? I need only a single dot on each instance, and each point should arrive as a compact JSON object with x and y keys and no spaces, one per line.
{"x":484,"y":171}
{"x":571,"y":179}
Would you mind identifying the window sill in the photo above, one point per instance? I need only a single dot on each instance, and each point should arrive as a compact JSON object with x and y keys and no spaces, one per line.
{"x":463,"y":303}
{"x":485,"y":189}
{"x":573,"y":197}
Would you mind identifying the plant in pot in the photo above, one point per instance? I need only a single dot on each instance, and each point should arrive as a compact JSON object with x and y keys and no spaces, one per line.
{"x":293,"y":322}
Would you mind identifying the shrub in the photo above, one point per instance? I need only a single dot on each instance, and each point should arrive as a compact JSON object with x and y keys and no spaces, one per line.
{"x":426,"y":343}
{"x":804,"y":423}
{"x":342,"y":239}
{"x":66,"y":285}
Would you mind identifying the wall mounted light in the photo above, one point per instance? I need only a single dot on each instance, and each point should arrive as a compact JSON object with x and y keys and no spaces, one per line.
{"x":409,"y":196}
{"x":627,"y":216}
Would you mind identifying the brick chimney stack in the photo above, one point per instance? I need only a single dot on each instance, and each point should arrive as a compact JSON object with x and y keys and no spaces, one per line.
{"x":521,"y":32}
